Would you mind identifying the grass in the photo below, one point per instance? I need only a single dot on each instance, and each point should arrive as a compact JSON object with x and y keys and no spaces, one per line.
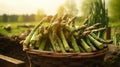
{"x":15,"y":31}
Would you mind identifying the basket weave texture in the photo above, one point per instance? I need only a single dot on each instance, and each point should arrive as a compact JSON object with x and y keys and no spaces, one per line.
{"x":50,"y":59}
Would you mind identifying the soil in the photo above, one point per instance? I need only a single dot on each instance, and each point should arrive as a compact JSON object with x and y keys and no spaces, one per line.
{"x":10,"y":46}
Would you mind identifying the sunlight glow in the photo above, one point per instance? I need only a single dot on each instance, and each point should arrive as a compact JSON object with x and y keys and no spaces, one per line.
{"x":30,"y":6}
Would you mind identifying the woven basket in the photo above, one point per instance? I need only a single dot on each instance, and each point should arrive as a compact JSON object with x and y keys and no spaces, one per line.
{"x":50,"y":59}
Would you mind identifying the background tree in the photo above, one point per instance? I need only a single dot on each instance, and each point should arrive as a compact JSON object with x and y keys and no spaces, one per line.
{"x":0,"y":18}
{"x":85,"y":8}
{"x":61,"y":11}
{"x":114,"y":10}
{"x":71,"y":7}
{"x":40,"y":14}
{"x":32,"y":17}
{"x":12,"y":18}
{"x":20,"y":18}
{"x":5,"y":18}
{"x":26,"y":18}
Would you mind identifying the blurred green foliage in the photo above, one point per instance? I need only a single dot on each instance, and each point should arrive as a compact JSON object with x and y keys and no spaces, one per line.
{"x":114,"y":10}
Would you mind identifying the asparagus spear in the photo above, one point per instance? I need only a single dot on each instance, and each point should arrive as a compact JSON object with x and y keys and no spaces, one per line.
{"x":64,"y":41}
{"x":27,"y":40}
{"x":115,"y":42}
{"x":93,"y":26}
{"x":34,"y":37}
{"x":42,"y":44}
{"x":85,"y":46}
{"x":74,"y":44}
{"x":100,"y":39}
{"x":90,"y":44}
{"x":52,"y":43}
{"x":81,"y":49}
{"x":98,"y":44}
{"x":71,"y":20}
{"x":60,"y":44}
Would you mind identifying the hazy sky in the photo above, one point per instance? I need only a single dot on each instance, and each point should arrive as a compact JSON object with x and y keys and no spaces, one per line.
{"x":30,"y":6}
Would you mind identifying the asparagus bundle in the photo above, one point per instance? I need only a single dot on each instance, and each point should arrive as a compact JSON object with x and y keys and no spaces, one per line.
{"x":98,"y":14}
{"x":63,"y":36}
{"x":60,"y":36}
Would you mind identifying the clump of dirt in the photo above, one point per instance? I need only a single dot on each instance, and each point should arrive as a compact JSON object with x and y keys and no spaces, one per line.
{"x":11,"y":47}
{"x":112,"y":58}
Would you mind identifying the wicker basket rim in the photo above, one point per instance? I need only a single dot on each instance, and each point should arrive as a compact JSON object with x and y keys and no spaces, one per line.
{"x":67,"y":55}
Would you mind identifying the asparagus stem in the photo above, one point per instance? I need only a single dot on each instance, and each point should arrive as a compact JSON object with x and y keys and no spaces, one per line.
{"x":98,"y":44}
{"x":42,"y":44}
{"x":81,"y":49}
{"x":64,"y":41}
{"x":85,"y":46}
{"x":91,"y":45}
{"x":52,"y":42}
{"x":61,"y":45}
{"x":74,"y":44}
{"x":27,"y":40}
{"x":100,"y":39}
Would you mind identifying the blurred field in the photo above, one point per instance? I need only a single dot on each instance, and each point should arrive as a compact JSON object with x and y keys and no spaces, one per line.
{"x":16,"y":30}
{"x":115,"y":27}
